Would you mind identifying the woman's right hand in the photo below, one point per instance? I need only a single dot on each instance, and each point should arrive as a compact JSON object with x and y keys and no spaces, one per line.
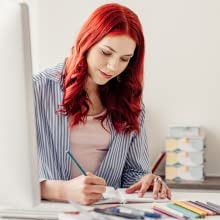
{"x":85,"y":189}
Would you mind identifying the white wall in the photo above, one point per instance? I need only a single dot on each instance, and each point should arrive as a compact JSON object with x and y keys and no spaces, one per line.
{"x":182,"y":74}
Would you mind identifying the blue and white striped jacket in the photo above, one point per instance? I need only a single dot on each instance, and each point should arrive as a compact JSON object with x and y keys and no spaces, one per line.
{"x":126,"y":161}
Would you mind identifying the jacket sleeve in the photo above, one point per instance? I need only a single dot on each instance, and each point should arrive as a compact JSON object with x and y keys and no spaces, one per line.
{"x":45,"y":153}
{"x":137,"y":162}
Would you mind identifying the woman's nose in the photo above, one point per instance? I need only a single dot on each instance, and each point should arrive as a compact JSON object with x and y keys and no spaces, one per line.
{"x":113,"y":64}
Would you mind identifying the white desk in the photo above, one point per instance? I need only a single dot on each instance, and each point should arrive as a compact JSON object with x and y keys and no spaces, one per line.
{"x":194,"y":195}
{"x":52,"y":209}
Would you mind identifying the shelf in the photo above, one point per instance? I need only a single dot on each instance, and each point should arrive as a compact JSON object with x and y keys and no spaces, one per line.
{"x":211,"y":183}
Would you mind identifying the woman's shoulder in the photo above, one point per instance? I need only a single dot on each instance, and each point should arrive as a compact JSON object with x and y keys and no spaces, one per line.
{"x":142,"y":113}
{"x":53,"y":74}
{"x":48,"y":81}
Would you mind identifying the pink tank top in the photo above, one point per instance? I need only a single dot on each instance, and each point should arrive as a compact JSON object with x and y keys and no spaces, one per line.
{"x":89,"y":144}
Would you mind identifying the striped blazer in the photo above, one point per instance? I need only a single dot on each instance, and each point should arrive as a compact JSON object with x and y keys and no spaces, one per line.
{"x":126,"y":161}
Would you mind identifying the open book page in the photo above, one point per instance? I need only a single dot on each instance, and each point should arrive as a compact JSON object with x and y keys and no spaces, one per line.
{"x":120,"y":196}
{"x":110,"y":196}
{"x":133,"y":198}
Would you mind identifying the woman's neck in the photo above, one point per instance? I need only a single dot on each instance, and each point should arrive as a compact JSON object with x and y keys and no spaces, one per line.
{"x":95,"y":104}
{"x":91,"y":87}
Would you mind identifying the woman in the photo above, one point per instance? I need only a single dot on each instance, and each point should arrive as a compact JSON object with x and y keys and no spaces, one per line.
{"x":91,"y":104}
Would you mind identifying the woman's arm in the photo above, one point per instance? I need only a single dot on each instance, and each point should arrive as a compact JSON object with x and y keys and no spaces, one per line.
{"x":137,"y":162}
{"x":53,"y":190}
{"x":83,"y":189}
{"x":137,"y":173}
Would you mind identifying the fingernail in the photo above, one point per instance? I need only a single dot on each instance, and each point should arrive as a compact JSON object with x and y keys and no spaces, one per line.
{"x":155,"y":196}
{"x":140,"y":195}
{"x":162,"y":196}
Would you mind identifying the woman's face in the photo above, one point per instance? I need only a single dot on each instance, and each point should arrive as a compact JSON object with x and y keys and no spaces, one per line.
{"x":109,"y":57}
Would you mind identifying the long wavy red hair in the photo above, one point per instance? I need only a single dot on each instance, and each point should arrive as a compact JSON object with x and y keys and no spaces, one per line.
{"x":121,"y":98}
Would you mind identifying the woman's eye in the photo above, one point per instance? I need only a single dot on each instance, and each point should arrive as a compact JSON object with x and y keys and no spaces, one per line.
{"x":124,"y":60}
{"x":106,"y":53}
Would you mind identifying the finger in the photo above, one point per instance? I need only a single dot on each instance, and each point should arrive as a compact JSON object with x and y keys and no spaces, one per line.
{"x":90,"y":174}
{"x":133,"y":188}
{"x":93,"y":188}
{"x":145,"y":186}
{"x":94,"y":196}
{"x":156,"y":189}
{"x":169,"y":193}
{"x":92,"y":201}
{"x":94,"y":180}
{"x":89,"y":199}
{"x":163,"y":193}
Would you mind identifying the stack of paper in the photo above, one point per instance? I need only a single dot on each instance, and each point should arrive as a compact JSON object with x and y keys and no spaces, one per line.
{"x":185,"y":154}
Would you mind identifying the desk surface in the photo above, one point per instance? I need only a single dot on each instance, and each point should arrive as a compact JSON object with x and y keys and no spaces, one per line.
{"x":194,"y":195}
{"x":212,"y":196}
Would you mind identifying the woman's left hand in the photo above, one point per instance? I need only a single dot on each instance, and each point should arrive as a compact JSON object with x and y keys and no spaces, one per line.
{"x":160,"y":189}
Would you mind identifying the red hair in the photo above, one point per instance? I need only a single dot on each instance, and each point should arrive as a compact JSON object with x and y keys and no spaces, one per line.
{"x":121,"y":98}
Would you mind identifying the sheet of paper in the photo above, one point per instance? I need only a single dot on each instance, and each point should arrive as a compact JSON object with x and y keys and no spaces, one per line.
{"x":133,"y":197}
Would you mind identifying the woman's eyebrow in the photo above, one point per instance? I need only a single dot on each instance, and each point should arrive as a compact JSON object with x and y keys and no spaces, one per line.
{"x":110,"y":48}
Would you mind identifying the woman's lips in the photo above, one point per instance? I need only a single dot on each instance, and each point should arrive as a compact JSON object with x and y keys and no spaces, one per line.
{"x":105,"y":75}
